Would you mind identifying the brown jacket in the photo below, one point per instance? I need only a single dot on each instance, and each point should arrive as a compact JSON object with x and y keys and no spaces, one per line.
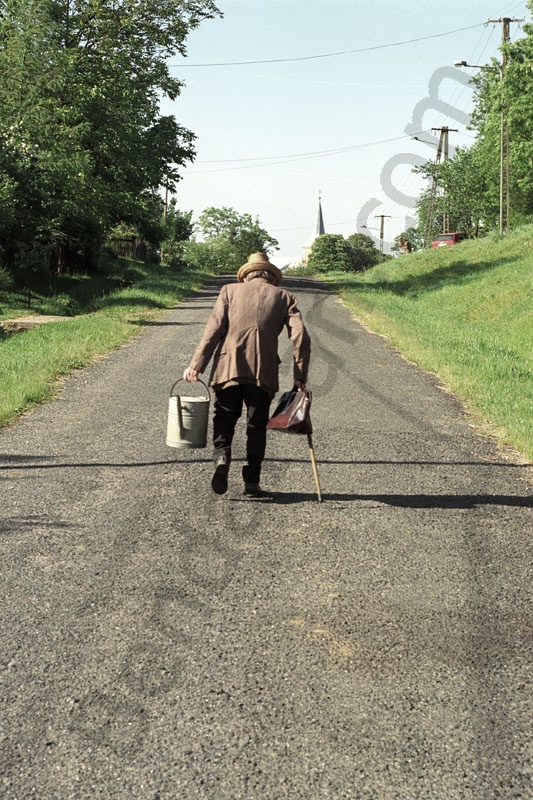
{"x":244,"y":327}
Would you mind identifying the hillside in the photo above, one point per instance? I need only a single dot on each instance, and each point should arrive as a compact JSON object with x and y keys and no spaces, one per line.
{"x":466,"y":314}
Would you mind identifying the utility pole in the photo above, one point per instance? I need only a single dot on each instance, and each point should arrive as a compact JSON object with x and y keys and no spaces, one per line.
{"x":505,"y":201}
{"x":442,"y":150}
{"x":165,"y":204}
{"x":381,"y":217}
{"x":165,"y":212}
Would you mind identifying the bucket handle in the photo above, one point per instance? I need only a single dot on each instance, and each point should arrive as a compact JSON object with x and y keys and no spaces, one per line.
{"x":199,"y":380}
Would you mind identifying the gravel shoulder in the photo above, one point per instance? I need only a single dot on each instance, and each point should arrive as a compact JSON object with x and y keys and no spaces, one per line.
{"x":162,"y":642}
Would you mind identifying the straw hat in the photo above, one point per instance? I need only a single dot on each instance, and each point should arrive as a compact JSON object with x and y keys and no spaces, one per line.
{"x":259,"y":261}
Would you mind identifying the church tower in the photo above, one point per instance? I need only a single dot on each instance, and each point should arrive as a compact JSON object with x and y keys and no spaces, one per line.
{"x":318,"y":230}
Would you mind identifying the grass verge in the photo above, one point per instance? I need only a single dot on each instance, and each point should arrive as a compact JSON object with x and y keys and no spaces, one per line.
{"x":466,"y":314}
{"x":110,"y":308}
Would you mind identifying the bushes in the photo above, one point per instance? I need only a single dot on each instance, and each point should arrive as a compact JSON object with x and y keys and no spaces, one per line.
{"x":333,"y":253}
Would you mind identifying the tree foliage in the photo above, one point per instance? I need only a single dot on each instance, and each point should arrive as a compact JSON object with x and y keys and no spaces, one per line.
{"x":462,"y":195}
{"x":177,"y":230}
{"x":408,"y":241}
{"x":468,"y":185}
{"x":363,"y":252}
{"x":228,"y":238}
{"x":332,"y":252}
{"x":83,"y":144}
{"x":518,"y":94}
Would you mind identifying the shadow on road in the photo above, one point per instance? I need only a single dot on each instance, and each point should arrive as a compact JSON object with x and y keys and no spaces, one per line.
{"x":40,"y":463}
{"x":21,"y":462}
{"x":30,"y":522}
{"x":465,"y":501}
{"x":420,"y":500}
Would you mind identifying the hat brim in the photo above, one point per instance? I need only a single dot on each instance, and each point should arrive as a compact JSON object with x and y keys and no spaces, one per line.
{"x":255,"y":266}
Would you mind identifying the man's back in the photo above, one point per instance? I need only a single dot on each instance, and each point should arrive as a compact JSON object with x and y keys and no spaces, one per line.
{"x":248,"y":318}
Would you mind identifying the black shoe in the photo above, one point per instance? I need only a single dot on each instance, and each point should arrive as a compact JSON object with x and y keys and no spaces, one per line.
{"x":219,"y":481}
{"x":252,"y":490}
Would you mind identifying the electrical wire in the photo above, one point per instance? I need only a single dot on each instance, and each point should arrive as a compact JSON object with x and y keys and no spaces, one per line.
{"x":291,"y":158}
{"x":475,"y":59}
{"x":298,"y":155}
{"x":330,"y":225}
{"x":289,"y":155}
{"x":330,"y":55}
{"x":516,"y":6}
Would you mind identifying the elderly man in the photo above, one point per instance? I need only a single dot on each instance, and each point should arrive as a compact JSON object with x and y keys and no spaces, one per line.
{"x":242,"y":333}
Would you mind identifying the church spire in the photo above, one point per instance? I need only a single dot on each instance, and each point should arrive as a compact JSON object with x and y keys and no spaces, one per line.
{"x":319,"y":228}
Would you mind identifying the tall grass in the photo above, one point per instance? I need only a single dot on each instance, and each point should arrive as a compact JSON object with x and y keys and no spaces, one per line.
{"x":109,"y":310}
{"x":465,"y":313}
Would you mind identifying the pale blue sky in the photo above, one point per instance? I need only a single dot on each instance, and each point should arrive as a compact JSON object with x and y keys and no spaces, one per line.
{"x":270,"y":113}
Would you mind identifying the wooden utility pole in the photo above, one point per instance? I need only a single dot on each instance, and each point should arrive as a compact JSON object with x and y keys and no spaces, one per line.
{"x":442,"y":153}
{"x":165,"y":204}
{"x":505,"y":200}
{"x":381,"y":217}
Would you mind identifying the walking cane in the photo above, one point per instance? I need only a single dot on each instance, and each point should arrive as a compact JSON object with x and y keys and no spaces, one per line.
{"x":313,"y":464}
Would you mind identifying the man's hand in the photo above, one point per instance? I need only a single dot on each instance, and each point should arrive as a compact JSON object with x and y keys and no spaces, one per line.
{"x":190,"y":375}
{"x":299,"y":385}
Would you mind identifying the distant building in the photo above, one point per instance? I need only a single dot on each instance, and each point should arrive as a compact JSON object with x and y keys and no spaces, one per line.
{"x":318,"y":230}
{"x":285,"y":262}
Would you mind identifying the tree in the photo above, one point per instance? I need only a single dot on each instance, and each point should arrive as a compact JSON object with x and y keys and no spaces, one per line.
{"x":229,"y":238}
{"x":470,"y":181}
{"x":518,"y":94}
{"x":463,"y":194}
{"x":411,"y":236}
{"x":330,"y":253}
{"x":206,"y":256}
{"x":83,"y":145}
{"x":363,"y":252}
{"x":177,"y":228}
{"x":474,"y":174}
{"x":468,"y":185}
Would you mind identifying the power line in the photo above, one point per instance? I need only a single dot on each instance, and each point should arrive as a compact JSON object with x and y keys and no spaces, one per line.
{"x":508,"y":10}
{"x":476,"y":59}
{"x":297,"y":155}
{"x":288,"y":155}
{"x":480,"y":47}
{"x":330,"y":225}
{"x":291,"y":158}
{"x":330,"y":55}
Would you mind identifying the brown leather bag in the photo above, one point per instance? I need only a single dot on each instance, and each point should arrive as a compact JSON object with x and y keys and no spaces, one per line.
{"x":292,"y":412}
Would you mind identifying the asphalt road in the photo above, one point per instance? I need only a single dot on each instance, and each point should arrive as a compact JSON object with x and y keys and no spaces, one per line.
{"x":162,"y":642}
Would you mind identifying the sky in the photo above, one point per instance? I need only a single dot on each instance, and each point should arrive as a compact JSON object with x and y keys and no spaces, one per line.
{"x":343,"y":89}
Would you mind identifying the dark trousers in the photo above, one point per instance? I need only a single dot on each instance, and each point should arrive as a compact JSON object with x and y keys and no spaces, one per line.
{"x":228,"y":409}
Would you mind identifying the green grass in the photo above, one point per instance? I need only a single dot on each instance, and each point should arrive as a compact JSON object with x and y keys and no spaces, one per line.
{"x":466,"y":314}
{"x":110,"y":308}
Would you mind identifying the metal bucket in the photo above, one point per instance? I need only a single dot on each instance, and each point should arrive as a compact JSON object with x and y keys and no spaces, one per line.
{"x":187,"y":419}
